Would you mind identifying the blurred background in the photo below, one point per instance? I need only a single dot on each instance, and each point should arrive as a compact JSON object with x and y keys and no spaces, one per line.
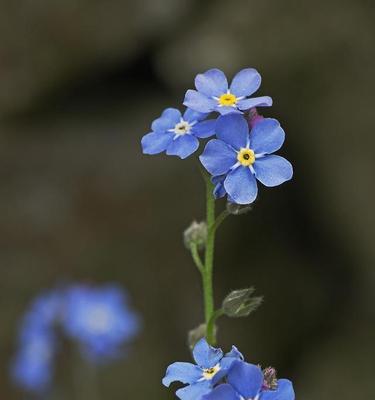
{"x":80,"y":83}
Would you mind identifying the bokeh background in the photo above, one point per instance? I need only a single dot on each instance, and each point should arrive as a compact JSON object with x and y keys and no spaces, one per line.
{"x":80,"y":83}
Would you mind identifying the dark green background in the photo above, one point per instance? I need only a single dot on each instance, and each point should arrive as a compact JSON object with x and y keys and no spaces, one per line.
{"x":80,"y":83}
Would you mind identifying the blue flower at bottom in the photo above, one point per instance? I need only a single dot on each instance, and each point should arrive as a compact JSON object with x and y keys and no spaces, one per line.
{"x":176,"y":133}
{"x":32,"y":368}
{"x":211,"y":366}
{"x":100,"y":320}
{"x":247,"y":382}
{"x":237,"y":158}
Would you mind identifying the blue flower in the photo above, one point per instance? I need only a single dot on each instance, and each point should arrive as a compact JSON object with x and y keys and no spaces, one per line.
{"x":44,"y":311}
{"x":238,"y":157}
{"x":213,"y":94}
{"x":100,"y":320}
{"x":32,"y":367}
{"x":211,"y":366}
{"x":247,"y":382}
{"x":177,"y":134}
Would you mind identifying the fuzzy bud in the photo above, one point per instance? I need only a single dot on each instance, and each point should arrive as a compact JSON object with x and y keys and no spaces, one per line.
{"x":270,"y":380}
{"x":196,"y":234}
{"x":254,"y":117}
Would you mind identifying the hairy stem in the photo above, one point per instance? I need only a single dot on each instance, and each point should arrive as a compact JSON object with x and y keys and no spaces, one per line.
{"x":207,"y":274}
{"x":196,"y":257}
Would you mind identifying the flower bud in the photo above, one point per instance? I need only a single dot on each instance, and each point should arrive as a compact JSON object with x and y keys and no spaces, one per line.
{"x":238,"y":209}
{"x":270,"y":380}
{"x":254,"y":117}
{"x":241,"y":302}
{"x":196,"y":234}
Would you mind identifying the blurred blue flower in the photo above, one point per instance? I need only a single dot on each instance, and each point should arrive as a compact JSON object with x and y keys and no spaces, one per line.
{"x":100,"y":320}
{"x":211,"y":366}
{"x":177,"y":134}
{"x":247,"y":381}
{"x":32,"y":367}
{"x":238,"y":157}
{"x":97,"y":318}
{"x":213,"y":94}
{"x":45,"y":311}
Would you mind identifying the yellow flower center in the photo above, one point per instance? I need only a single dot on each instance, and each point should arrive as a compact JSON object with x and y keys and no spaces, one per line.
{"x":227,"y":100}
{"x":210,"y":372}
{"x":246,"y":157}
{"x":182,"y":127}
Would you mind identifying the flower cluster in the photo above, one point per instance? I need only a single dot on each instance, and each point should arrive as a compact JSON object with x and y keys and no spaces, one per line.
{"x":242,"y":151}
{"x":225,"y":377}
{"x":98,"y":320}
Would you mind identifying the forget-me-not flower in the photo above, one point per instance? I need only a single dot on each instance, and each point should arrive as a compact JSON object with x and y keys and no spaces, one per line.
{"x":45,"y":311}
{"x":213,"y":93}
{"x":100,"y":320}
{"x":239,"y":157}
{"x":211,"y":366}
{"x":177,"y":134}
{"x":32,"y":367}
{"x":248,"y":382}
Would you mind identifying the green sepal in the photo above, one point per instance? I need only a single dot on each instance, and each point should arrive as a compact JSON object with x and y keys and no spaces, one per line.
{"x":241,"y":302}
{"x":238,"y":209}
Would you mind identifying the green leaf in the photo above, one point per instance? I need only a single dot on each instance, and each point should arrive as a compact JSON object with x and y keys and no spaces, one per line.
{"x":240,"y":303}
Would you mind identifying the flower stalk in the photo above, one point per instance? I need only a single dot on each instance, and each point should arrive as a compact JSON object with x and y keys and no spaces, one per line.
{"x":207,"y":275}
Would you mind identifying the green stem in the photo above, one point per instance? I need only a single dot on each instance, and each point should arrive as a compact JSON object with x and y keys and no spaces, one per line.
{"x":86,"y":380}
{"x":220,"y":219}
{"x":207,"y":274}
{"x":196,"y":257}
{"x":211,"y":323}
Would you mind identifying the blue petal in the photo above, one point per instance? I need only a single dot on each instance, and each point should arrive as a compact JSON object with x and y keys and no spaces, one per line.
{"x":205,"y":355}
{"x":227,"y":110}
{"x":195,"y":391}
{"x":264,"y":101}
{"x":199,"y":102}
{"x":218,"y":158}
{"x":246,"y":82}
{"x":222,"y":392}
{"x":284,"y":391}
{"x":156,"y":142}
{"x":227,"y":361}
{"x":219,"y":190}
{"x":183,"y":146}
{"x":212,"y":83}
{"x":182,"y":372}
{"x":235,"y":353}
{"x":266,"y":136}
{"x":169,"y":118}
{"x":246,"y":379}
{"x":273,"y":170}
{"x":233,"y":129}
{"x":241,"y":185}
{"x":191,"y":115}
{"x":225,"y":365}
{"x":204,"y":129}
